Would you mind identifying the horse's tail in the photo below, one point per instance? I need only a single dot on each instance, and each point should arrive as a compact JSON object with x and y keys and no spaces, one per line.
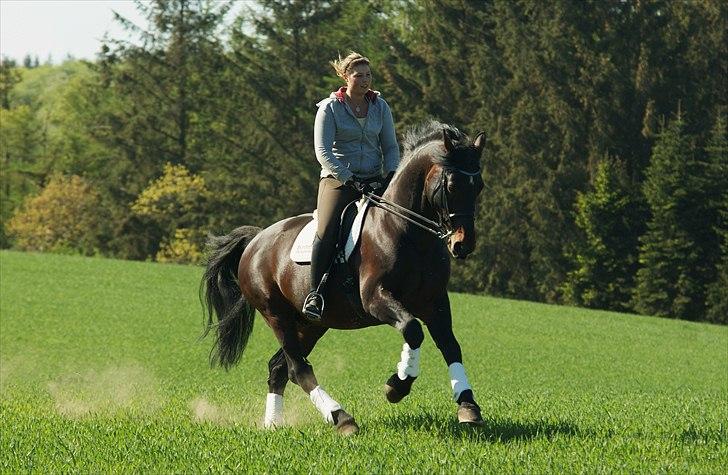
{"x":222,"y":296}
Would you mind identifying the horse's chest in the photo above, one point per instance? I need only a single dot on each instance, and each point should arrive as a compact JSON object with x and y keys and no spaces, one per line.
{"x":424,"y":279}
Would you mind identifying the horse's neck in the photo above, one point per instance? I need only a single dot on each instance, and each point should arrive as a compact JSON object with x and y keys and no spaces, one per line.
{"x":407,"y":190}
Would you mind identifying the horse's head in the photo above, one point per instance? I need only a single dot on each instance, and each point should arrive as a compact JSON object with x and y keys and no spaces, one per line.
{"x":453,"y":185}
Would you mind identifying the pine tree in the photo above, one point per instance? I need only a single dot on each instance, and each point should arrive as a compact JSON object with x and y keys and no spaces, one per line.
{"x":605,"y":258}
{"x":9,"y":77}
{"x":162,"y":82}
{"x":717,"y":299}
{"x":716,"y":187}
{"x":21,"y":145}
{"x":155,"y":101}
{"x":434,"y":46}
{"x":527,"y":77}
{"x":669,"y":281}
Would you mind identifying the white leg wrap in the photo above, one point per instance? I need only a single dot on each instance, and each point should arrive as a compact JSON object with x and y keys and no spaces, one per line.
{"x":409,"y":364}
{"x":273,"y":411}
{"x":458,"y":380}
{"x":324,"y":403}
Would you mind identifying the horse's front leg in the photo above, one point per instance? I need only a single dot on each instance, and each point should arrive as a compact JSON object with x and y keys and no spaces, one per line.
{"x":386,"y":308}
{"x":440,"y":328}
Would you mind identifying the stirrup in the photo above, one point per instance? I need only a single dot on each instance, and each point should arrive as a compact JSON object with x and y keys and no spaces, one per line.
{"x":313,"y":306}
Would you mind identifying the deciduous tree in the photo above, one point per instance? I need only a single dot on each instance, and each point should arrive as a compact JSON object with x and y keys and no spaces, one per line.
{"x":64,"y":217}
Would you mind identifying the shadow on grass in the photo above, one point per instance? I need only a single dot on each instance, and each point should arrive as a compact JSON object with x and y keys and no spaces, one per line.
{"x":494,"y":430}
{"x":704,"y":435}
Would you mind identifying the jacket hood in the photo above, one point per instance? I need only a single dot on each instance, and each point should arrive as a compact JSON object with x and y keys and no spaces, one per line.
{"x":339,"y":95}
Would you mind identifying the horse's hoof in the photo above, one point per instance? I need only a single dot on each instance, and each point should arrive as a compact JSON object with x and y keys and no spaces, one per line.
{"x":348,"y":428}
{"x":345,"y":424}
{"x":396,"y":389}
{"x":469,"y":413}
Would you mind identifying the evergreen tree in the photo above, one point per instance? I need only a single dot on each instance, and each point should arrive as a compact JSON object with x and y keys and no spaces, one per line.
{"x":156,"y":104}
{"x":22,"y":171}
{"x":669,"y":281}
{"x":605,"y":257}
{"x":162,"y":82}
{"x":717,"y":299}
{"x":9,"y":77}
{"x":433,"y":48}
{"x":716,"y":199}
{"x":527,"y":79}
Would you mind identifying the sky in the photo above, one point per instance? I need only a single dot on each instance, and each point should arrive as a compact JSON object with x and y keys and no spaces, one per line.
{"x":60,"y":27}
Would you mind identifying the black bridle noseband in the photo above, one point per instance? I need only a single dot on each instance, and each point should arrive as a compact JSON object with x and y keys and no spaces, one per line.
{"x":443,"y":227}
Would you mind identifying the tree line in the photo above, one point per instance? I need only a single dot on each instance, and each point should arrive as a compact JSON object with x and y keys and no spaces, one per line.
{"x":606,"y":167}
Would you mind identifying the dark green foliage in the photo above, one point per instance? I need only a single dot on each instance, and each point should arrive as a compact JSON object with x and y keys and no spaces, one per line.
{"x":716,"y":187}
{"x":557,"y":87}
{"x":610,"y":219}
{"x":669,"y":281}
{"x":683,"y":252}
{"x":717,"y":299}
{"x":9,"y":77}
{"x":156,"y":104}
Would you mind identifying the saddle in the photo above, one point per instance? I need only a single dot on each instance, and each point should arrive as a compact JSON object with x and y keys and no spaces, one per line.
{"x":352,"y":219}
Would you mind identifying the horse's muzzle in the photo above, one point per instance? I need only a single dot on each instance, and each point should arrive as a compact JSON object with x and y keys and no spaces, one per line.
{"x":462,"y":242}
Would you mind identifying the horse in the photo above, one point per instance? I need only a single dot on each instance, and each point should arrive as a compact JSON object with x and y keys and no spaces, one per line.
{"x":401,"y":265}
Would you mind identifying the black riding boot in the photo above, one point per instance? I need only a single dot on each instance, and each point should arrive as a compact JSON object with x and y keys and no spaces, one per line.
{"x":321,"y":257}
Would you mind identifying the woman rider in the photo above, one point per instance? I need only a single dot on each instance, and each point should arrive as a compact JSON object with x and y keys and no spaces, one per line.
{"x":356,"y":146}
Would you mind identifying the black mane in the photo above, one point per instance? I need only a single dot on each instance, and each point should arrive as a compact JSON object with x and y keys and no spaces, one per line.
{"x":430,"y":131}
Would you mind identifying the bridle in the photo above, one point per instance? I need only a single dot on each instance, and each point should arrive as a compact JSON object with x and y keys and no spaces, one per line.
{"x":439,"y":199}
{"x":442,"y":228}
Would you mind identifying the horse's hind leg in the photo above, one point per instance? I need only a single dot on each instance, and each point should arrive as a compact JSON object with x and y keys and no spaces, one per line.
{"x":277,"y":379}
{"x":278,"y":375}
{"x":295,"y":347}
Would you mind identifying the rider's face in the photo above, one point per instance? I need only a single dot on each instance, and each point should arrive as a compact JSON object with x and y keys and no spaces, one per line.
{"x":359,"y":78}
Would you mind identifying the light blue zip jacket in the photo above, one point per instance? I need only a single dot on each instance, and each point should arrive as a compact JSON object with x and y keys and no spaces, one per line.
{"x":345,"y":149}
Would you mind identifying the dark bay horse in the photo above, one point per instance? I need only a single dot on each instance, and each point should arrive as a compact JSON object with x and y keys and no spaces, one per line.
{"x":402,"y":268}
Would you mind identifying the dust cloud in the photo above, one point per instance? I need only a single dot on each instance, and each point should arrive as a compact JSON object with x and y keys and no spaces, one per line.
{"x":109,"y":390}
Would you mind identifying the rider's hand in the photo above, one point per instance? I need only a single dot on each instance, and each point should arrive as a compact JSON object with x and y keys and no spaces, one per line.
{"x":381,"y":185}
{"x":359,"y":186}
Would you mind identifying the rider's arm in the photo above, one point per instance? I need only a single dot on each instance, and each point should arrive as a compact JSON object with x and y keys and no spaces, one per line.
{"x":324,"y":130}
{"x":388,"y":141}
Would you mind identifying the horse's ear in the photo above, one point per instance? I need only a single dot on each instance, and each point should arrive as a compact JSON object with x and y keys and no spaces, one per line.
{"x":447,"y":140}
{"x":479,"y":142}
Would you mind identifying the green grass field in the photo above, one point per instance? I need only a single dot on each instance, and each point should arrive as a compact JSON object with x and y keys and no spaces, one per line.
{"x":102,"y":371}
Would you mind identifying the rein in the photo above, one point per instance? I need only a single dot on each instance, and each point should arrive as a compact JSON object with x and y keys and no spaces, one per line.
{"x":443,"y":228}
{"x":438,"y":229}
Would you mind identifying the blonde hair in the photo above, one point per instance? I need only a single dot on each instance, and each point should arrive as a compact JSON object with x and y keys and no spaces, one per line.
{"x":342,"y":66}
